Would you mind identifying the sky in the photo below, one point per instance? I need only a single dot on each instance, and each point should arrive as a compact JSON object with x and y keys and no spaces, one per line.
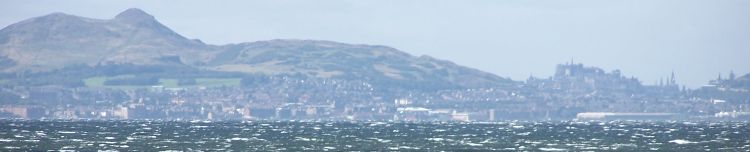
{"x":646,"y":39}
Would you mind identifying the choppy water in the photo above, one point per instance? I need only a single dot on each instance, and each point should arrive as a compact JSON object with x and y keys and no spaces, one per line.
{"x":366,"y":136}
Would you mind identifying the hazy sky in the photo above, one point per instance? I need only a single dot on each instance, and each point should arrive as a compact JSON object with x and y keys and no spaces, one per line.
{"x":644,"y":38}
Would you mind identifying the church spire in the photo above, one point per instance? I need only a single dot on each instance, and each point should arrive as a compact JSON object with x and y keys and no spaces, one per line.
{"x":571,"y":61}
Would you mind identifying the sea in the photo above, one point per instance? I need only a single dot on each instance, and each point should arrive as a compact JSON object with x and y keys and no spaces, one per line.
{"x":163,"y":135}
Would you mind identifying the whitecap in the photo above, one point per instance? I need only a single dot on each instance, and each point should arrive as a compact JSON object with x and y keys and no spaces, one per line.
{"x":473,"y":144}
{"x":237,"y":138}
{"x":12,"y":147}
{"x":680,"y":141}
{"x":436,"y":139}
{"x":302,"y":139}
{"x":523,"y":134}
{"x":552,"y":149}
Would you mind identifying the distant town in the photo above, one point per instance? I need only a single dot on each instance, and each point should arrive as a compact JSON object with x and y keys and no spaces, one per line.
{"x":574,"y":92}
{"x":63,"y":66}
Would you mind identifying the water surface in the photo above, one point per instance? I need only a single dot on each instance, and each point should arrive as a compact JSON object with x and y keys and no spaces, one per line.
{"x":141,"y":135}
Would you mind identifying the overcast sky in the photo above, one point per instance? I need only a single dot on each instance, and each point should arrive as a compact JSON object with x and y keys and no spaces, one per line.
{"x":644,"y":38}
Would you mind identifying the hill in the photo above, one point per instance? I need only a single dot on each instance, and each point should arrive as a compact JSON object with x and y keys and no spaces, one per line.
{"x":135,"y":43}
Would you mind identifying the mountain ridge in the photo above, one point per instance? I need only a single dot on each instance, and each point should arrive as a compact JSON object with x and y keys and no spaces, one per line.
{"x":58,"y":40}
